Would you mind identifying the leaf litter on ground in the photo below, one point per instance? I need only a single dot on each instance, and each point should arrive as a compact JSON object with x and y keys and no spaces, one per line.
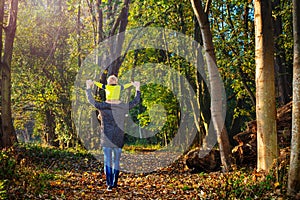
{"x":49,"y":173}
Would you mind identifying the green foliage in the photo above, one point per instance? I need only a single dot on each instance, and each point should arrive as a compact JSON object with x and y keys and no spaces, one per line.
{"x":8,"y":169}
{"x":3,"y":192}
{"x":7,"y":165}
{"x":50,"y":46}
{"x":47,"y":53}
{"x":45,"y":67}
{"x":233,"y":40}
{"x":48,"y":154}
{"x":38,"y":168}
{"x":186,"y":187}
{"x":175,"y":15}
{"x":240,"y":184}
{"x":232,"y":25}
{"x":141,"y":145}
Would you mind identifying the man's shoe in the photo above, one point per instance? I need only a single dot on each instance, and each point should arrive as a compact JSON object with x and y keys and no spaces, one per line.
{"x":109,"y":188}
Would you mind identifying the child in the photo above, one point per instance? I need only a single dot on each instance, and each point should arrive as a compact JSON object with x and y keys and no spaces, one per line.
{"x":112,"y":89}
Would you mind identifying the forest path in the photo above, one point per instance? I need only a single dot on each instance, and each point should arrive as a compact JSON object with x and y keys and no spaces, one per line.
{"x":48,"y":173}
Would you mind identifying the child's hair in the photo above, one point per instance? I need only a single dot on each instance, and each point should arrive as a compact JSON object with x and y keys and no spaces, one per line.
{"x":112,"y":80}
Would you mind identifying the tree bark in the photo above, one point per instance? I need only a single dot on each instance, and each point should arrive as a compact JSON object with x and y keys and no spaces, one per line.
{"x":294,"y":170}
{"x":8,"y":137}
{"x":123,"y":17}
{"x":215,"y":85}
{"x":283,"y":90}
{"x":50,"y":136}
{"x":1,"y":49}
{"x":265,"y":86}
{"x":78,"y":30}
{"x":117,"y":24}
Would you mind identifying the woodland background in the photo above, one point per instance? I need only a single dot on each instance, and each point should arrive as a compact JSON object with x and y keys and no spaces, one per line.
{"x":44,"y":44}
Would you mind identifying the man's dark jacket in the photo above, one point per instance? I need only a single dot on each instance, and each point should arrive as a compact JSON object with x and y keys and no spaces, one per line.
{"x":112,"y":119}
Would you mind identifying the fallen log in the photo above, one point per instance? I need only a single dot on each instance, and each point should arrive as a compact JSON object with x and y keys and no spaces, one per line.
{"x":199,"y":160}
{"x":245,"y":151}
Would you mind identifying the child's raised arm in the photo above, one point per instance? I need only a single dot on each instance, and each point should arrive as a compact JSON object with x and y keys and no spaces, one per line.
{"x":127,"y":85}
{"x":100,"y":85}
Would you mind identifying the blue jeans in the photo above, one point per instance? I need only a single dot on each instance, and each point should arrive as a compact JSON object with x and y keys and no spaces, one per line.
{"x":111,"y":165}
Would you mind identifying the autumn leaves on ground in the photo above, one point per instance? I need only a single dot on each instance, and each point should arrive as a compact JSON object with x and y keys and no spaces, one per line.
{"x":35,"y":172}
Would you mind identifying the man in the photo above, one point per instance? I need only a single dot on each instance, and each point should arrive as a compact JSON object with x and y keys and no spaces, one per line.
{"x":112,"y":116}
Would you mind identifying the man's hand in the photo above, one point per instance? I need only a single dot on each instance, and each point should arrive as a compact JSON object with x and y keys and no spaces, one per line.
{"x":136,"y":84}
{"x":89,"y":84}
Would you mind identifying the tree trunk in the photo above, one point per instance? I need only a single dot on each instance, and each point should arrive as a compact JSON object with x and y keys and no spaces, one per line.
{"x":1,"y":49}
{"x":8,"y":136}
{"x":294,"y":170}
{"x":215,"y":85}
{"x":265,"y":86}
{"x":117,"y":24}
{"x":202,"y":119}
{"x":283,"y":91}
{"x":78,"y":30}
{"x":50,"y":136}
{"x":114,"y":68}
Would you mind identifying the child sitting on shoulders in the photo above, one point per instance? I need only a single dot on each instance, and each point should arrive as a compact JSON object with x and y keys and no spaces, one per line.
{"x":112,"y":89}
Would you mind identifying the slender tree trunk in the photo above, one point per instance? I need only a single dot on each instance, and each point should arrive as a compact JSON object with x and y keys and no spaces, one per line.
{"x":8,"y":137}
{"x":201,"y":121}
{"x":123,"y":18}
{"x":283,"y":91}
{"x":117,"y":24}
{"x":215,"y":85}
{"x":2,"y":5}
{"x":100,"y":35}
{"x":79,"y":35}
{"x":294,"y":170}
{"x":50,"y":136}
{"x":1,"y":50}
{"x":265,"y":86}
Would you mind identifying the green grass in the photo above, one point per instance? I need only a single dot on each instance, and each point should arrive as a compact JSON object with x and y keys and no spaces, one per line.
{"x":141,"y":147}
